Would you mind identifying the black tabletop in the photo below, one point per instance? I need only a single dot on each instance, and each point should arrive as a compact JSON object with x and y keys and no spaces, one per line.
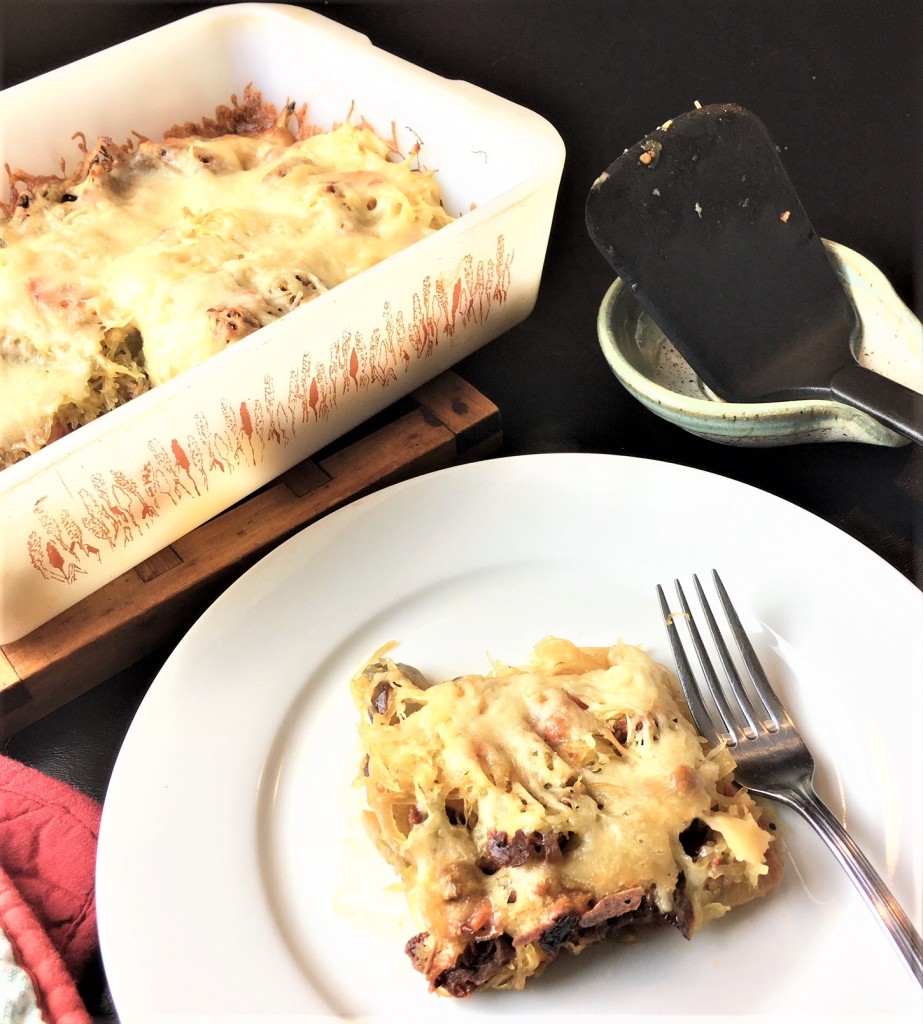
{"x":837,"y":82}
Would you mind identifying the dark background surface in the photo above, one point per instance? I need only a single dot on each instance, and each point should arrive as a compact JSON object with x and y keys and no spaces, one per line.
{"x":838,"y":84}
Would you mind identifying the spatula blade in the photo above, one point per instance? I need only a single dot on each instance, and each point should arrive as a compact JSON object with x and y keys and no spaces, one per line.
{"x":701,"y":219}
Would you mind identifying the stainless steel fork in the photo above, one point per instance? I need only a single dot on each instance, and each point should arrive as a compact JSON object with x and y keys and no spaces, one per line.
{"x":772,"y":758}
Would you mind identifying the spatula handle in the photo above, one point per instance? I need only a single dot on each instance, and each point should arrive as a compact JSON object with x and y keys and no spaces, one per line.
{"x":892,"y":404}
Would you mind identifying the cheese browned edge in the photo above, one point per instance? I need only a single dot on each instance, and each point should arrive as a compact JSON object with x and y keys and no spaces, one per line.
{"x":538,"y":809}
{"x":156,"y":254}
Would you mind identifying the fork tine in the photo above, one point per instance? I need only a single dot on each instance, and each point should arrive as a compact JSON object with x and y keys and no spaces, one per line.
{"x":711,"y":677}
{"x":687,"y":680}
{"x":743,"y":701}
{"x":774,"y":707}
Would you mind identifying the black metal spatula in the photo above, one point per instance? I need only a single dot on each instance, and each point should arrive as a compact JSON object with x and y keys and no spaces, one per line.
{"x":702,"y":221}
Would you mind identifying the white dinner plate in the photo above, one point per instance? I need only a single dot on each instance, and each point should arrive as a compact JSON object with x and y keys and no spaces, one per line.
{"x":235,"y":882}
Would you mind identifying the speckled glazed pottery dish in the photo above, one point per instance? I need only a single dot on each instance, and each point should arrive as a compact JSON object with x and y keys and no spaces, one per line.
{"x":652,"y":370}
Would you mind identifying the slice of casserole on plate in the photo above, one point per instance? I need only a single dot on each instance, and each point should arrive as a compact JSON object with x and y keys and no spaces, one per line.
{"x":539,"y":809}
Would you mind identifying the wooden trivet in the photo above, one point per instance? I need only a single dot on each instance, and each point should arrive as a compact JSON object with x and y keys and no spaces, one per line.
{"x":442,"y":423}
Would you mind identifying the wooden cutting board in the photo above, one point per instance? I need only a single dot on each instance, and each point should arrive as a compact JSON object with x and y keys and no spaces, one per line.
{"x":443,"y":423}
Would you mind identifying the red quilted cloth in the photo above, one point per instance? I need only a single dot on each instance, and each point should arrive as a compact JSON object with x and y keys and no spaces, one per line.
{"x":48,"y":835}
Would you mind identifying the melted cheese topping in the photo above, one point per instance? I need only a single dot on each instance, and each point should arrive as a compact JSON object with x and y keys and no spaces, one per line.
{"x":537,"y":808}
{"x":163,"y":254}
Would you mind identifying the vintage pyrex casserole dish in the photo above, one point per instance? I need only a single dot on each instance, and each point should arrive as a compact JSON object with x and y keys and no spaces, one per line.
{"x":99,"y":501}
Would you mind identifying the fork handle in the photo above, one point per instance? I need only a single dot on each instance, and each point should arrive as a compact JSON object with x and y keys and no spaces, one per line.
{"x":866,"y":879}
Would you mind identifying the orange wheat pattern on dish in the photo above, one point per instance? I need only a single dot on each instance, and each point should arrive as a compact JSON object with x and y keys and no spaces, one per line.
{"x":113,"y":510}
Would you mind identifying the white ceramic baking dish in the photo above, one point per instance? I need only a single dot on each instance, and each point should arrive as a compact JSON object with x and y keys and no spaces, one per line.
{"x":99,"y":501}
